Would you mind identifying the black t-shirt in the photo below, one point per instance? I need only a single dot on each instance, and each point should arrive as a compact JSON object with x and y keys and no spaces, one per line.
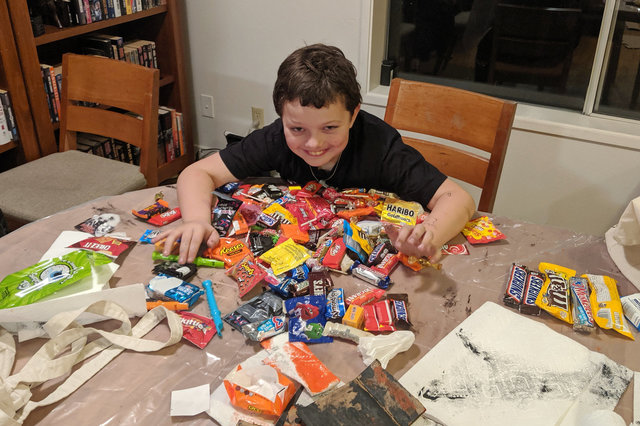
{"x":375,"y":157}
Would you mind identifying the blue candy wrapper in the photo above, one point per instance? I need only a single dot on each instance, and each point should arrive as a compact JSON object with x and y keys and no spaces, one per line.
{"x":307,"y":319}
{"x":173,"y":289}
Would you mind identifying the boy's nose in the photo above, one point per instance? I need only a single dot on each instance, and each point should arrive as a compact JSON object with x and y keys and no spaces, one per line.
{"x":315,"y":141}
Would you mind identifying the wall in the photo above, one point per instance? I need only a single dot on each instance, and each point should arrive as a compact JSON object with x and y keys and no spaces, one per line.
{"x":552,"y":175}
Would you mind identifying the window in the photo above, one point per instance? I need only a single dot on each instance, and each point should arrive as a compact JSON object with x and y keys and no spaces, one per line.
{"x":559,"y":53}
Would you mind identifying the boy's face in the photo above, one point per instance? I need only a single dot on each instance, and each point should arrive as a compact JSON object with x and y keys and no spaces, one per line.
{"x":317,"y":135}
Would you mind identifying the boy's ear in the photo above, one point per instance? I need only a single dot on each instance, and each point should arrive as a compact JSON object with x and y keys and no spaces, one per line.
{"x":354,"y":115}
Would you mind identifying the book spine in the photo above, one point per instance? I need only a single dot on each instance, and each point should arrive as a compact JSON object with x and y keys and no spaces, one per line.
{"x":174,"y":134}
{"x":180,"y":133}
{"x":129,"y":7}
{"x":47,"y":90}
{"x":138,"y":5}
{"x":8,"y":112}
{"x":111,"y":11}
{"x":5,"y":133}
{"x":56,"y":94}
{"x":116,"y":8}
{"x":87,"y":11}
{"x":153,"y":55}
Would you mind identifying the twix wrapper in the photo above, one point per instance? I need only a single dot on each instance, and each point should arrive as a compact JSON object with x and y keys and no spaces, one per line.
{"x":554,"y":297}
{"x":606,"y":305}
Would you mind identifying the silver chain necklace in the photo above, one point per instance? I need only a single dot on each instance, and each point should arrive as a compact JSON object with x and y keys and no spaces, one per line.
{"x":334,"y":169}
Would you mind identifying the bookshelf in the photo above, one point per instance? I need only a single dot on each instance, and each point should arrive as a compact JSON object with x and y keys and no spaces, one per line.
{"x":26,"y":148}
{"x":161,"y":24}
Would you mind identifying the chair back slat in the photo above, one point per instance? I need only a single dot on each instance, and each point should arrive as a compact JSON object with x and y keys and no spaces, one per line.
{"x":457,"y":115}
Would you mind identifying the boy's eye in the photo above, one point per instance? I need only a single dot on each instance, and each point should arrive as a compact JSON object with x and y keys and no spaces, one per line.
{"x":331,"y":127}
{"x":297,"y":129}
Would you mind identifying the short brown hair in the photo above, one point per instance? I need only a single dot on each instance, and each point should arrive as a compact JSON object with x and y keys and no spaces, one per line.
{"x":317,"y":75}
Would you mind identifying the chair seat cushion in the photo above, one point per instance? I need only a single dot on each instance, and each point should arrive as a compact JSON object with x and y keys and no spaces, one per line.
{"x":62,"y":180}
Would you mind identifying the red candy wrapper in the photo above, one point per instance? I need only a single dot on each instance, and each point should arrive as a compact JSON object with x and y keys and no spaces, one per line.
{"x":110,"y":246}
{"x":482,"y":231}
{"x":378,"y":317}
{"x":247,"y":274}
{"x":455,"y":249}
{"x":197,"y":329}
{"x":166,"y":217}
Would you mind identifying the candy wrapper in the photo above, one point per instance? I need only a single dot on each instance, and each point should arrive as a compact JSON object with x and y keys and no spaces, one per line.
{"x":47,"y":277}
{"x":256,"y":310}
{"x":166,"y":217}
{"x":223,"y":214}
{"x":112,"y":247}
{"x":149,"y":235}
{"x":605,"y":301}
{"x":631,"y":307}
{"x":285,"y":256}
{"x":175,"y":269}
{"x":378,"y":317}
{"x":247,"y":274}
{"x":160,"y":206}
{"x":357,"y":241}
{"x":555,"y":295}
{"x":401,"y":212}
{"x":197,"y":329}
{"x":455,"y":249}
{"x":482,"y":231}
{"x":258,"y":331}
{"x":259,"y":389}
{"x":307,"y":319}
{"x":582,"y":315}
{"x":172,"y":288}
{"x":228,"y":250}
{"x":296,"y":360}
{"x":99,"y":224}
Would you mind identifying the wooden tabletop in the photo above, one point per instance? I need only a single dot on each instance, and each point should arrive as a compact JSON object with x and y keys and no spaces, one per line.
{"x":136,"y":388}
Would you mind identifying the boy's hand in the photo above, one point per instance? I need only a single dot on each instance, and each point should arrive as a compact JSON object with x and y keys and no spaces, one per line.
{"x":415,"y":241}
{"x":191,"y":236}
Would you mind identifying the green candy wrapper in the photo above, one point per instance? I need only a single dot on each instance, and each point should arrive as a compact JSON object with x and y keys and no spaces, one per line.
{"x":44,"y":278}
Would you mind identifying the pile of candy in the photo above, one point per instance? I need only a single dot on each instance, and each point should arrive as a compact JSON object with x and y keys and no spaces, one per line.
{"x":582,"y":301}
{"x":287,"y":239}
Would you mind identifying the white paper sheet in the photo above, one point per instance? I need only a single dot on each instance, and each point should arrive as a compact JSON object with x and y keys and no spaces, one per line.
{"x":189,"y":402}
{"x":498,"y":366}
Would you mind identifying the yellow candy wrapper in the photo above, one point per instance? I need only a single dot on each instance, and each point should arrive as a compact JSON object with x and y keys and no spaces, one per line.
{"x":401,"y":212}
{"x":606,"y":305}
{"x":277,"y":211}
{"x":554,"y":297}
{"x":285,"y":256}
{"x":482,"y":231}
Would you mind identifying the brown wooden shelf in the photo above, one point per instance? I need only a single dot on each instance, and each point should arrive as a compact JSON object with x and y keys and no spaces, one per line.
{"x":166,"y":80}
{"x":53,"y":33}
{"x":8,"y":146}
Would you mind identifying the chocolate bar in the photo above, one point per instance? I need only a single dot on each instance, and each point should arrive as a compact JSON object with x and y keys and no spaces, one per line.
{"x":515,"y":285}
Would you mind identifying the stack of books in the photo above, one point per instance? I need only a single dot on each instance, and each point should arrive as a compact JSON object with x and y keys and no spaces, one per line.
{"x":8,"y":127}
{"x":82,"y":12}
{"x":170,"y":141}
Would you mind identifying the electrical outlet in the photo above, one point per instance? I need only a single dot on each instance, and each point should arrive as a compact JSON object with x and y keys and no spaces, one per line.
{"x":206,"y":105}
{"x":257,"y":117}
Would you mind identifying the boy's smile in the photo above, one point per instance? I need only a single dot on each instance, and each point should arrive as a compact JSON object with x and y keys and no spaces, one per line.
{"x":317,"y":135}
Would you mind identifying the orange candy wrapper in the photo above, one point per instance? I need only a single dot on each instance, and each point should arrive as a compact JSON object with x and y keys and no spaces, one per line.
{"x":259,"y":389}
{"x":482,"y":231}
{"x":229,"y":250}
{"x":296,"y":360}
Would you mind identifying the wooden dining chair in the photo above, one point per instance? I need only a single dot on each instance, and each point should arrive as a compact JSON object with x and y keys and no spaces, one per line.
{"x":103,"y":97}
{"x":468,"y":119}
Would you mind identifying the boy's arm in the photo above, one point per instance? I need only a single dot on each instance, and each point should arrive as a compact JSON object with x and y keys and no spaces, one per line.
{"x":451,"y":208}
{"x":195,"y":186}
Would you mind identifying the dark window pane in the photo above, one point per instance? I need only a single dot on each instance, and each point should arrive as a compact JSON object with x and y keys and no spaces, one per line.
{"x":621,"y":84}
{"x":536,"y":51}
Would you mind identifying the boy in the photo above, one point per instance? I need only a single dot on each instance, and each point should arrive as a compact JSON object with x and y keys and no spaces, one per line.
{"x":323,"y":135}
